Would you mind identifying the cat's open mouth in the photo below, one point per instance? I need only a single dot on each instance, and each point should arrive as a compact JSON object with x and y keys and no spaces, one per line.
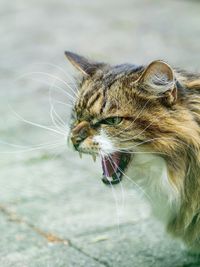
{"x":113,"y":166}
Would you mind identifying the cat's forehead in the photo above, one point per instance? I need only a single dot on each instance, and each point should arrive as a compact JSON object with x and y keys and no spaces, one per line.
{"x":104,"y":78}
{"x":106,"y":89}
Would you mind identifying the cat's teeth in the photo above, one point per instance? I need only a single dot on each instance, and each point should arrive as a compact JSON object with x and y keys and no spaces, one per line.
{"x":94,"y":157}
{"x":80,"y":155}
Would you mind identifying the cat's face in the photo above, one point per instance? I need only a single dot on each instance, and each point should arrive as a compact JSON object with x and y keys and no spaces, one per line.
{"x":120,"y":111}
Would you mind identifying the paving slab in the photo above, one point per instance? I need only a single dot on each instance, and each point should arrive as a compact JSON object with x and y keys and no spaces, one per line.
{"x":142,"y":244}
{"x":60,"y":199}
{"x":21,"y":246}
{"x":45,"y":189}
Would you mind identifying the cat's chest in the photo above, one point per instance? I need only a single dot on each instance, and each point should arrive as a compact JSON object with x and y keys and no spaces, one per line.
{"x":150,"y":173}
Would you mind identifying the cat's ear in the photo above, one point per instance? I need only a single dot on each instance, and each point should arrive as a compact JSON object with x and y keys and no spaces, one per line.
{"x":85,"y":66}
{"x":158,"y":78}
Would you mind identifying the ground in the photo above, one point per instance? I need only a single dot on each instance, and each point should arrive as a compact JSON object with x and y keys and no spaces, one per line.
{"x":54,"y":209}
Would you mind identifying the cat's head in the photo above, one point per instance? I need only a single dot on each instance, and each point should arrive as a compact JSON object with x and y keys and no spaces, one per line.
{"x":121,"y":110}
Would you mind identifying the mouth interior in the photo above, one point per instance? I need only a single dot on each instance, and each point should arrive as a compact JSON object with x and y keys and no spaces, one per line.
{"x":114,"y":166}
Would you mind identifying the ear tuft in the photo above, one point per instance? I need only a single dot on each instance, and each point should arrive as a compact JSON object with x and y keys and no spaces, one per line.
{"x":85,"y":66}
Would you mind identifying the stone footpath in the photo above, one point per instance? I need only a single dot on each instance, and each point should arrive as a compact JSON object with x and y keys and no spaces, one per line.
{"x":54,"y":209}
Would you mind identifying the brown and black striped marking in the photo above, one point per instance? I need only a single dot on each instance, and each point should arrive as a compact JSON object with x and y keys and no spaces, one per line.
{"x":160,"y":111}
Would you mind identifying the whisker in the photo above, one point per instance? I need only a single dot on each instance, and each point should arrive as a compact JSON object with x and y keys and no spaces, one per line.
{"x":36,"y":124}
{"x":72,"y":99}
{"x":146,"y":127}
{"x":56,"y":121}
{"x":140,"y":112}
{"x":126,"y":150}
{"x":51,"y":76}
{"x":165,"y":138}
{"x":135,"y":184}
{"x":65,"y":104}
{"x":52,"y":146}
{"x":57,"y":67}
{"x":121,"y":186}
{"x":52,"y":112}
{"x":32,"y":146}
{"x":116,"y":201}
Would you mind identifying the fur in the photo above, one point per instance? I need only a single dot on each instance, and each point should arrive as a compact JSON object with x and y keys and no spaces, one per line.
{"x":160,"y":110}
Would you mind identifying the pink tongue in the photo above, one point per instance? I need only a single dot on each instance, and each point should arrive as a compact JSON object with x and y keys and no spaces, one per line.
{"x":110,"y":164}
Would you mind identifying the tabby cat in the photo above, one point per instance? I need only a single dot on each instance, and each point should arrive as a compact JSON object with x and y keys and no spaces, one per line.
{"x":144,"y":122}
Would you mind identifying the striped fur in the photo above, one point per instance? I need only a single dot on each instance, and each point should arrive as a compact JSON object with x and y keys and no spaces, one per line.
{"x":160,"y":107}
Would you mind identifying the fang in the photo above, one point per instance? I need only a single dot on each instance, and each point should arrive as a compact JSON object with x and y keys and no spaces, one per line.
{"x":94,"y":157}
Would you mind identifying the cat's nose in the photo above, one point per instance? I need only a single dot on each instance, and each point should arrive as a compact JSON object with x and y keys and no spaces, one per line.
{"x":79,"y":133}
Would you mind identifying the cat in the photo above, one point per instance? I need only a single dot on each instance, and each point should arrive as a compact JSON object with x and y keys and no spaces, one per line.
{"x":144,"y":122}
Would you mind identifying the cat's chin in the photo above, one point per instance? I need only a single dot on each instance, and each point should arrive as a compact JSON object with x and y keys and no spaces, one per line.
{"x":114,"y":166}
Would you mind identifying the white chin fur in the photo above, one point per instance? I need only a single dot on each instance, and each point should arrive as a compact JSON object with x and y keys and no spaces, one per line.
{"x":105,"y":144}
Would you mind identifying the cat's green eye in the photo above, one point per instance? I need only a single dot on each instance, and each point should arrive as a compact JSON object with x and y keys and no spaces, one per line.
{"x":112,"y":121}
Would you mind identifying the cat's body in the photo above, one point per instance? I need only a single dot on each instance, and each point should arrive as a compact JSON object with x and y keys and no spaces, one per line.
{"x":144,"y":122}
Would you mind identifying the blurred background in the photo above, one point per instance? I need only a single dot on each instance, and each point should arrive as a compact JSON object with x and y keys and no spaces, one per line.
{"x":54,"y":209}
